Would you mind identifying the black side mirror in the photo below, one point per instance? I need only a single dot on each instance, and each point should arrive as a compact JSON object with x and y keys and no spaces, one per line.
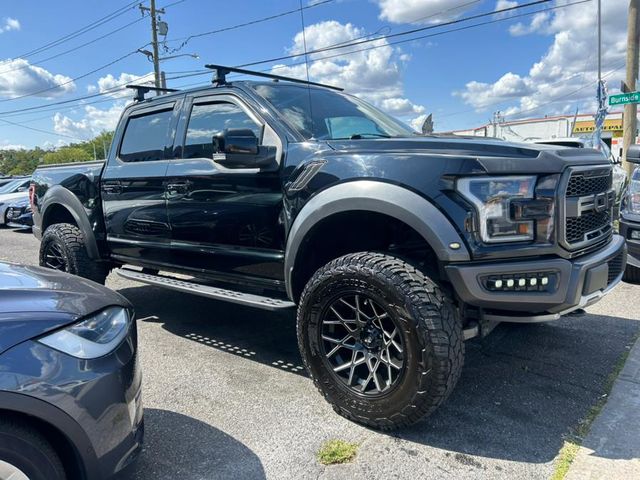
{"x":633,"y":154}
{"x":239,"y":148}
{"x":240,"y":141}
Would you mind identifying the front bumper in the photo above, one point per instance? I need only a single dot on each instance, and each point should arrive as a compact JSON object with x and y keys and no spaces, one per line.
{"x":578,"y":283}
{"x":101,"y":399}
{"x":19,"y":218}
{"x":628,"y":224}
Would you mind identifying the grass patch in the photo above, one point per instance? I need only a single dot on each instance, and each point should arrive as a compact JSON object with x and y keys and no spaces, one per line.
{"x":572,"y":443}
{"x":337,"y":451}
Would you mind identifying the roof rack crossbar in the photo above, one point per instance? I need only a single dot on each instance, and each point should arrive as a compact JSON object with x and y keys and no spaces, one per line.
{"x":142,"y":90}
{"x":221,"y":71}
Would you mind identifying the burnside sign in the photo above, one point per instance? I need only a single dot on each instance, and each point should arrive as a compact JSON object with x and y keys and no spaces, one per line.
{"x":624,"y":98}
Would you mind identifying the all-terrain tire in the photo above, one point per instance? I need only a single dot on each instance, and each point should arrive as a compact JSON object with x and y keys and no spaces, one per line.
{"x":67,"y":241}
{"x":25,"y":448}
{"x":631,"y":274}
{"x":423,"y":313}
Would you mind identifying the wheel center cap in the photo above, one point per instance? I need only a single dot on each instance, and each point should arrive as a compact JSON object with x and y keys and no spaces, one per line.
{"x":371,"y":338}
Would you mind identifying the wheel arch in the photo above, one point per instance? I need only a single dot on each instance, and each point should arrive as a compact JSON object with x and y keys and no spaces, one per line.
{"x":378,"y":198}
{"x":61,"y":206}
{"x":65,"y":436}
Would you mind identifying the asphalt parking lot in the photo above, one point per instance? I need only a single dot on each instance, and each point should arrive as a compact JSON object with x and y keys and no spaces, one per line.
{"x":226,"y":396}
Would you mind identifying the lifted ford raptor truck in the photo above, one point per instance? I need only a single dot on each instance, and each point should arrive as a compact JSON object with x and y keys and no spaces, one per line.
{"x":394,"y":247}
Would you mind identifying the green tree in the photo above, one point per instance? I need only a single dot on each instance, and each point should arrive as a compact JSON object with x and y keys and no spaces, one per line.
{"x":67,"y":155}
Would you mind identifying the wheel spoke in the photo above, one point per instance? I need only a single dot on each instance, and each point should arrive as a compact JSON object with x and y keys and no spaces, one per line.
{"x":376,"y":359}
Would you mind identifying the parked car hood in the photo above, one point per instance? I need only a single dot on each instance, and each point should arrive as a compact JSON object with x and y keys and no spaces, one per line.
{"x":12,"y":197}
{"x":35,"y":300}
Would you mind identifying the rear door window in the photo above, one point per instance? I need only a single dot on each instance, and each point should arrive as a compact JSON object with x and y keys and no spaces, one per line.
{"x":146,"y":136}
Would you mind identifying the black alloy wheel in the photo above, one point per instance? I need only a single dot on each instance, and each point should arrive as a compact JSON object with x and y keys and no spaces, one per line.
{"x":361,"y":344}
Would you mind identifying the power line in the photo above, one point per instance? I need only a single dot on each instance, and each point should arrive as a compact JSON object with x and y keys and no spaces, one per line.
{"x":102,"y":67}
{"x":40,"y":62}
{"x":245,"y":24}
{"x":41,"y":131}
{"x":101,"y":21}
{"x":408,"y":32}
{"x":331,"y":47}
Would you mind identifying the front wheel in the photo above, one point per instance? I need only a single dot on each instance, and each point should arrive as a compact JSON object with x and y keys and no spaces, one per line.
{"x":27,"y":455}
{"x":63,"y":248}
{"x":381,"y":341}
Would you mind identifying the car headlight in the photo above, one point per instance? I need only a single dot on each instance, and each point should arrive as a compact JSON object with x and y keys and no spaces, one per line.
{"x":492,"y":197}
{"x":619,"y":180}
{"x":92,"y":337}
{"x":633,"y":194}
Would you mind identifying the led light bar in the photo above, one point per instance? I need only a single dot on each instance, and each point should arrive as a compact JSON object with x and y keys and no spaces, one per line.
{"x":521,"y":282}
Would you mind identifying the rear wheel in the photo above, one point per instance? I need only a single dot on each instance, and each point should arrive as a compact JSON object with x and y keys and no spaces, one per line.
{"x":381,"y":341}
{"x":26,"y":455}
{"x":63,"y":248}
{"x":632,"y":274}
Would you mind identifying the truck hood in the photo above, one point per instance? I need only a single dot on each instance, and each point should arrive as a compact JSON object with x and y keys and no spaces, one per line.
{"x":36,"y":300}
{"x":479,"y":156}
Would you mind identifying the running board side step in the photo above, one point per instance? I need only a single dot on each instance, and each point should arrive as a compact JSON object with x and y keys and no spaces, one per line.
{"x":247,"y":299}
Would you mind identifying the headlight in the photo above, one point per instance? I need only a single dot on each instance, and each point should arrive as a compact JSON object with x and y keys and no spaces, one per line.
{"x":633,"y":195}
{"x":93,"y":337}
{"x":492,"y":198}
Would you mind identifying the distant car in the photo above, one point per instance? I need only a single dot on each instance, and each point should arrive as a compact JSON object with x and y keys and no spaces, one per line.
{"x":16,"y":189}
{"x":70,"y":381}
{"x":630,"y":218}
{"x":19,"y":214}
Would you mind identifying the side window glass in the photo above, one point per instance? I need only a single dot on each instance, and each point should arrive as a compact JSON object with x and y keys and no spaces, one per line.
{"x":145,"y":137}
{"x":209,"y":120}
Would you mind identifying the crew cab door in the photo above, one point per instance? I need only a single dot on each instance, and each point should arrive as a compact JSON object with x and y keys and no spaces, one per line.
{"x":132,"y":184}
{"x":225,"y":218}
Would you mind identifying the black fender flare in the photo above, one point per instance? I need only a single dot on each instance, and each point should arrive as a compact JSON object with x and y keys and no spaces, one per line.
{"x":381,"y":197}
{"x":58,"y":195}
{"x":60,"y":421}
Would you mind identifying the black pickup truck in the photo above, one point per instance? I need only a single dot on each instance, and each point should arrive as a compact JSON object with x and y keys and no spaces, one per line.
{"x":394,"y":247}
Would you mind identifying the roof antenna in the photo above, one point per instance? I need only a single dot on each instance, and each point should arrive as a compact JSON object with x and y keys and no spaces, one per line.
{"x":306,"y":63}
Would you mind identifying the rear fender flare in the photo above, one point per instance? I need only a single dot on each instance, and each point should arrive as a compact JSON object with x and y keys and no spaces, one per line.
{"x":58,"y":195}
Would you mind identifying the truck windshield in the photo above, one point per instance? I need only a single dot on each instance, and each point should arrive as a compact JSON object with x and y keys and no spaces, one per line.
{"x":328,"y":115}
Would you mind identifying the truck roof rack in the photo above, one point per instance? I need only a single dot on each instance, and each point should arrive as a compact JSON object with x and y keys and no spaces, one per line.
{"x":142,"y":90}
{"x":221,"y":71}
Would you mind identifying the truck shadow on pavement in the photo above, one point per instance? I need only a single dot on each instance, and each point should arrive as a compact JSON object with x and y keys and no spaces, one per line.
{"x":522,"y":389}
{"x":193,"y":449}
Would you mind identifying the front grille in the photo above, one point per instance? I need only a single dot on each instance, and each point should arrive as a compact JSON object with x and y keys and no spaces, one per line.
{"x":586,"y":218}
{"x":615,"y":267}
{"x":589,"y":224}
{"x":580,"y":185}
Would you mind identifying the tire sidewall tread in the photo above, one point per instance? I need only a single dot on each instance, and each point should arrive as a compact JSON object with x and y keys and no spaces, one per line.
{"x":429,"y":323}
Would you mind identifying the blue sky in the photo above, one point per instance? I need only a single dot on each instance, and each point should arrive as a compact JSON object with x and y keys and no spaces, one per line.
{"x":529,"y":66}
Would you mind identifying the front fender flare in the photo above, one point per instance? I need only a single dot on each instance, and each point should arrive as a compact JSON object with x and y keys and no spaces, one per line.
{"x":386,"y":198}
{"x":58,"y":195}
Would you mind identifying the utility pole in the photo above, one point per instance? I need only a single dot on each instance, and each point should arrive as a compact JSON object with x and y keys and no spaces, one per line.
{"x":630,"y":121}
{"x":153,"y":13}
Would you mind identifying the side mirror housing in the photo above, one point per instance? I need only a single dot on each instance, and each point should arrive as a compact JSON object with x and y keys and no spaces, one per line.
{"x":239,"y":148}
{"x":633,"y":154}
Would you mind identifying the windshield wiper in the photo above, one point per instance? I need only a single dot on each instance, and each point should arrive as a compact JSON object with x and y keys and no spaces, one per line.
{"x":358,"y":136}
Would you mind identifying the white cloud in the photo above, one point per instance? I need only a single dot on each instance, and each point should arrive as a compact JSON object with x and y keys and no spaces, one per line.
{"x":422,"y":11}
{"x":93,"y":121}
{"x":110,"y":82}
{"x":504,"y":4}
{"x":8,"y":24}
{"x":18,"y":77}
{"x":565,"y":75}
{"x":539,"y":23}
{"x":5,"y":145}
{"x":374,"y":75}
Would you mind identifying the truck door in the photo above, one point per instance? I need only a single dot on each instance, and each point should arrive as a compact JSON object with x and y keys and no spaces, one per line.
{"x":132,"y":185}
{"x":225,"y":220}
